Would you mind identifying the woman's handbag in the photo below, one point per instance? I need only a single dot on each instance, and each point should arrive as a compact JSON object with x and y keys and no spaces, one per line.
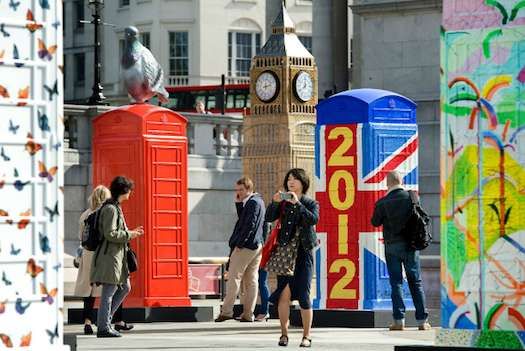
{"x":270,"y":245}
{"x":282,"y":260}
{"x":133,"y":264}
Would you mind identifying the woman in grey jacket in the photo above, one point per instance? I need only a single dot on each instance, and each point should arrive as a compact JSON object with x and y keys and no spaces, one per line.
{"x":109,"y":267}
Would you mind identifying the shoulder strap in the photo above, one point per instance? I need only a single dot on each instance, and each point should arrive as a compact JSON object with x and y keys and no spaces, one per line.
{"x":413,"y":197}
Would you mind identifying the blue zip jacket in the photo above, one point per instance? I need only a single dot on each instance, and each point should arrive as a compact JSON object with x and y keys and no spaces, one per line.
{"x":248,"y":230}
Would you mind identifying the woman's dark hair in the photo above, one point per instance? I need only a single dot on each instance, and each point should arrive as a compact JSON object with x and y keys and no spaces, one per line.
{"x":300,"y":175}
{"x":119,"y":186}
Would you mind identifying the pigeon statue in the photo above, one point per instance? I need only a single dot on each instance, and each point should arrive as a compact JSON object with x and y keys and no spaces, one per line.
{"x":142,"y":74}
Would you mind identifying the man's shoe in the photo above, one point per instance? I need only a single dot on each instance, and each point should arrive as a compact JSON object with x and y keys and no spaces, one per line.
{"x":222,"y":318}
{"x":108,"y":334}
{"x":424,"y":326}
{"x":125,"y":327}
{"x":262,"y":317}
{"x":396,"y":327}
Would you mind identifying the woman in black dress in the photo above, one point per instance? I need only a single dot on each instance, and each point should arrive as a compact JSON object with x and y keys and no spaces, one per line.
{"x":298,"y":215}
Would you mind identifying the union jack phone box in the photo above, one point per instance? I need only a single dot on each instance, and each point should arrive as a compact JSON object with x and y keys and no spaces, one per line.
{"x":360,"y":136}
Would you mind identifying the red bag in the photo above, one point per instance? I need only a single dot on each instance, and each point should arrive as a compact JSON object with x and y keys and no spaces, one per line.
{"x":270,"y":245}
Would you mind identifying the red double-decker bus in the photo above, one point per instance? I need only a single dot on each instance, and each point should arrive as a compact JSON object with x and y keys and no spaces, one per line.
{"x":184,"y":98}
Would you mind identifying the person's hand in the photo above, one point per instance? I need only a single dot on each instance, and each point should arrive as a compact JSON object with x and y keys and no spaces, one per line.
{"x":277,"y":197}
{"x":237,"y":198}
{"x":137,"y":232}
{"x":294,"y":198}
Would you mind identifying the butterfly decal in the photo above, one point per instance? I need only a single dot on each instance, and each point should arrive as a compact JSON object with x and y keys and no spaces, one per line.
{"x":6,"y":281}
{"x":53,"y":212}
{"x":6,"y":340}
{"x":26,"y":340}
{"x":44,"y":52}
{"x":14,"y":251}
{"x":31,"y":146}
{"x":43,"y":172}
{"x":23,"y":94}
{"x":4,"y":92}
{"x":20,"y":308}
{"x":2,"y":306}
{"x":57,"y":267}
{"x":44,"y":4}
{"x":19,"y":185}
{"x":43,"y":121}
{"x":56,"y":24}
{"x":12,"y":127}
{"x":44,"y":243}
{"x":52,"y":91}
{"x":48,"y":295}
{"x":3,"y":31}
{"x":14,"y":4}
{"x":32,"y":26}
{"x":16,"y":57}
{"x":4,"y":155}
{"x":56,"y":146}
{"x":33,"y":269}
{"x":52,"y":335}
{"x":23,"y":223}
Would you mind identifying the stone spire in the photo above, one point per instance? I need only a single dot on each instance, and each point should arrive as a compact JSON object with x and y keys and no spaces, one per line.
{"x":283,"y":41}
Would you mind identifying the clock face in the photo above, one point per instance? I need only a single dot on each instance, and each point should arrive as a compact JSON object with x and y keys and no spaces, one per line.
{"x":267,"y":86}
{"x":303,"y":86}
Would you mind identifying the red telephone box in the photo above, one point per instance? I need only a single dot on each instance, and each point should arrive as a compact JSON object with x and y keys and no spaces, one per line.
{"x":148,"y":144}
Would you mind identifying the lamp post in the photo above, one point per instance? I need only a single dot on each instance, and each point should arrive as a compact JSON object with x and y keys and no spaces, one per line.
{"x":97,"y":97}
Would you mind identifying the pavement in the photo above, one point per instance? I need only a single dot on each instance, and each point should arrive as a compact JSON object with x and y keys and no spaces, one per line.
{"x":232,"y":335}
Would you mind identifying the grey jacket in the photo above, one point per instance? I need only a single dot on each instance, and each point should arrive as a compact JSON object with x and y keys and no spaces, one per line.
{"x":109,"y":265}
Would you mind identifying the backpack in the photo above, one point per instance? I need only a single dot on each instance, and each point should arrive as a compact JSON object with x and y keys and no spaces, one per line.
{"x":91,"y":236}
{"x":418,"y":228}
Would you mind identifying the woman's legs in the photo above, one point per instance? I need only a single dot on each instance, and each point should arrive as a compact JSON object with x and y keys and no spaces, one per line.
{"x":284,"y":309}
{"x":307,"y":316}
{"x":87,"y":311}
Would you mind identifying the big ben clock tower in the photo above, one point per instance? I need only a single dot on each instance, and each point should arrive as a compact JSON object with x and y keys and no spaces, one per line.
{"x":279,"y":132}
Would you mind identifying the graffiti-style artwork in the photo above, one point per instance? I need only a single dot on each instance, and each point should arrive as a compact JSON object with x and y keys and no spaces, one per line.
{"x":483,"y":173}
{"x":31,"y":175}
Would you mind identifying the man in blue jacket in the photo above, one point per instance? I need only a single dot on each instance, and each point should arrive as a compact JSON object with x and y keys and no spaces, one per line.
{"x":392,"y":212}
{"x":246,"y":248}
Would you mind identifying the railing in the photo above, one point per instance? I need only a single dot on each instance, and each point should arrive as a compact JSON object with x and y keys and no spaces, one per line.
{"x":203,"y":80}
{"x":208,"y":134}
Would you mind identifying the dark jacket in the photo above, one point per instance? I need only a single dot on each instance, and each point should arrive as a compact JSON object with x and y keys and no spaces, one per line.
{"x":392,"y":212}
{"x":303,"y":215}
{"x":248,"y":231}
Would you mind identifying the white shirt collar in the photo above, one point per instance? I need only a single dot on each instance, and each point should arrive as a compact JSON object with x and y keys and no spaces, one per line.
{"x":247,"y":198}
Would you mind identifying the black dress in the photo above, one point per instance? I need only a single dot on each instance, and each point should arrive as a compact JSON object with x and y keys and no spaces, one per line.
{"x":301,"y":281}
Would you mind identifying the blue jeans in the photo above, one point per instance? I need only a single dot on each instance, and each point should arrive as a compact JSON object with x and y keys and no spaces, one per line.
{"x":110,"y":300}
{"x":398,"y":254}
{"x":264,"y":291}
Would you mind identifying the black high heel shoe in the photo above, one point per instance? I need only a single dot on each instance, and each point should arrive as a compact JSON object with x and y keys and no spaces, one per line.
{"x":306,"y":342}
{"x":283,"y":340}
{"x":88,"y":330}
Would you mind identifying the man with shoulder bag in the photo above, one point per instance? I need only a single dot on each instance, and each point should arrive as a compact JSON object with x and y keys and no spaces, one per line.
{"x":398,"y":213}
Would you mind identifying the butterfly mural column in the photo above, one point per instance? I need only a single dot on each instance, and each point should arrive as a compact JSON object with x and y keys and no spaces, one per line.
{"x":31,"y":177}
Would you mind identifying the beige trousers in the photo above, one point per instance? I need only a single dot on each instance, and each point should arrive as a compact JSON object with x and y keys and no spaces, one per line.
{"x":244,"y":266}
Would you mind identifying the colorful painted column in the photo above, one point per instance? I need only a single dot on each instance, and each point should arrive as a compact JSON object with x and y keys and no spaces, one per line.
{"x":483,"y":174}
{"x":361,"y":135}
{"x":31,"y":175}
